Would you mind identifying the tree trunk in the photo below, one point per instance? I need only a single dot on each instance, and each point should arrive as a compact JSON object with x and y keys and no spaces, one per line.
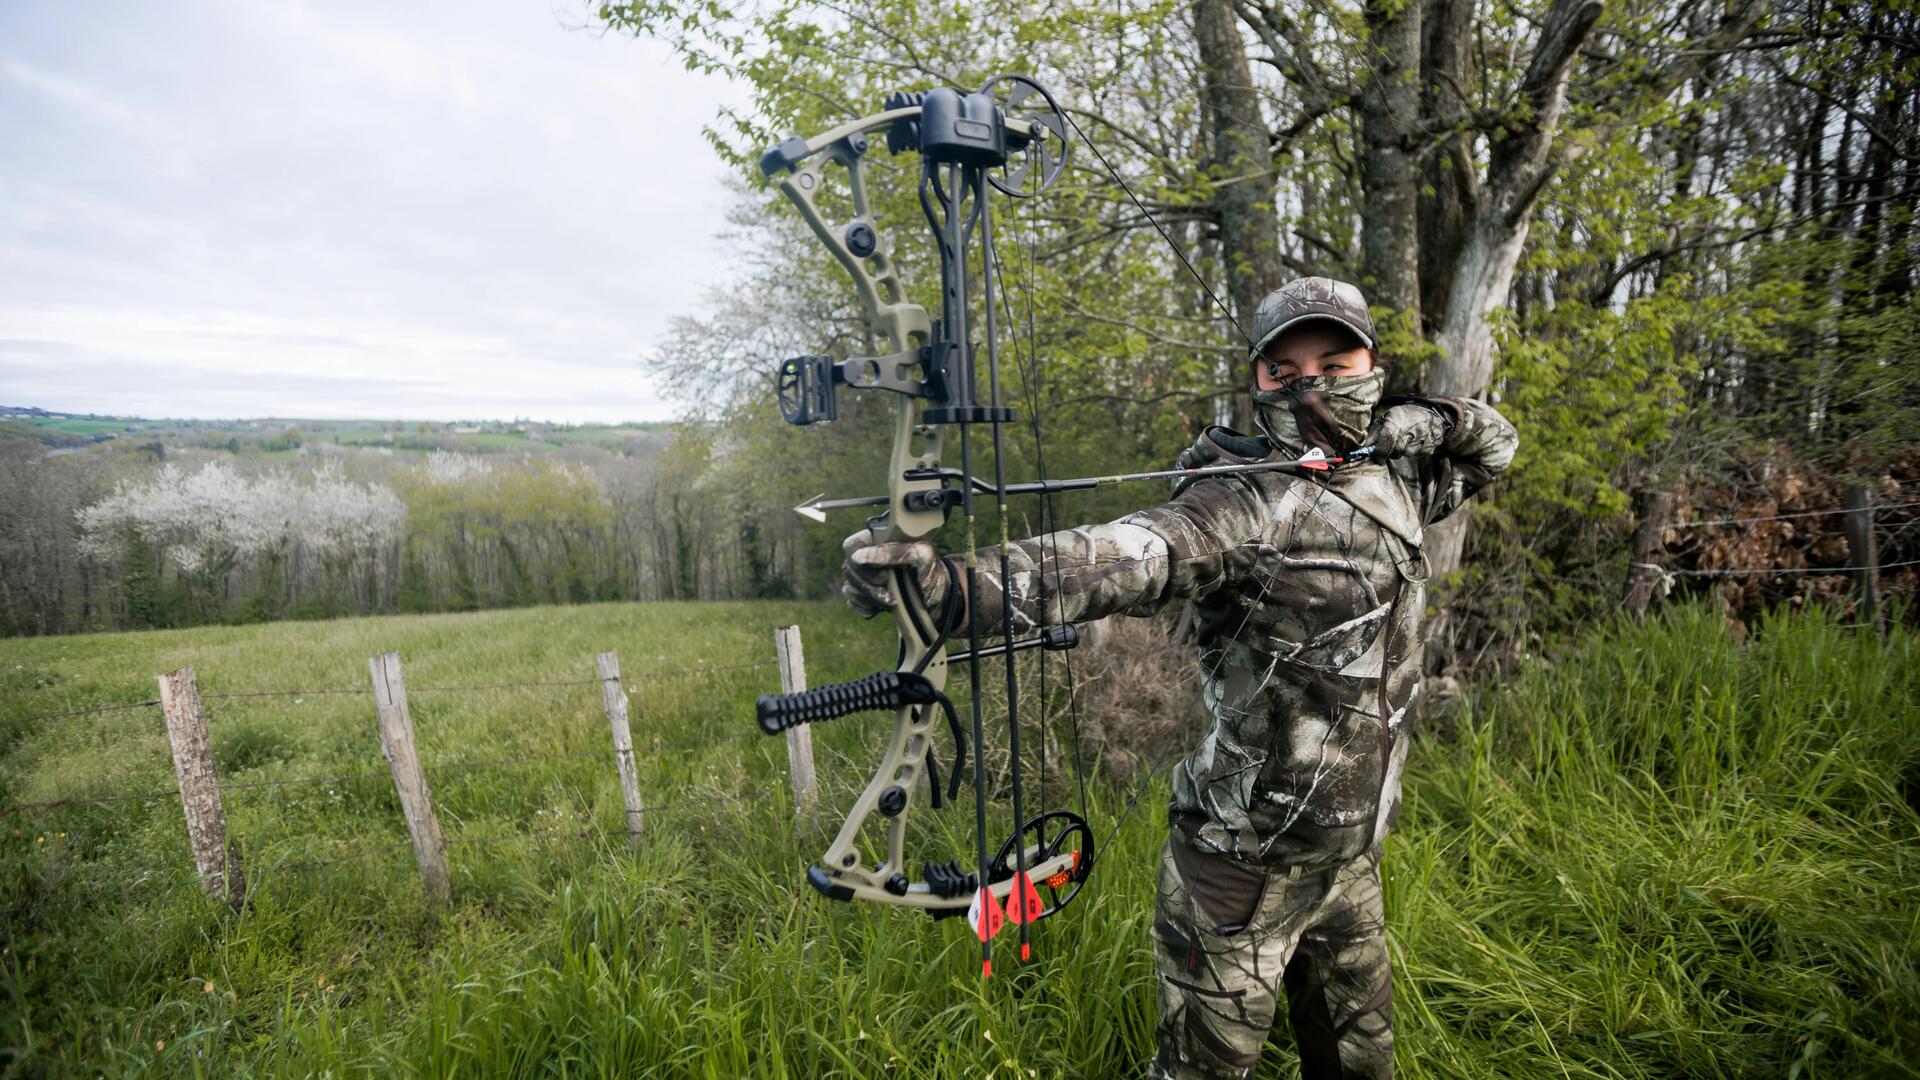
{"x":1242,"y":166}
{"x":1449,"y":182}
{"x":1389,"y":171}
{"x":1521,"y":162}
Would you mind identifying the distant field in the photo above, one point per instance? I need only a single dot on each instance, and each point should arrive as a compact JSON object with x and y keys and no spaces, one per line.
{"x":354,"y":432}
{"x":484,"y":441}
{"x":1663,"y":855}
{"x":74,"y":426}
{"x":602,"y":434}
{"x":488,"y":440}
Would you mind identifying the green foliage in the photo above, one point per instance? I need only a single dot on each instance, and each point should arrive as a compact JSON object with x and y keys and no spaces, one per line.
{"x":763,"y":582}
{"x":267,"y":601}
{"x":534,"y":520}
{"x":140,"y":585}
{"x":415,"y":595}
{"x":1596,"y":389}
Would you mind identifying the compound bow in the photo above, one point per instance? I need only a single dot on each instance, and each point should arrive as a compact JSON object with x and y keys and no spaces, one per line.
{"x":1008,"y":137}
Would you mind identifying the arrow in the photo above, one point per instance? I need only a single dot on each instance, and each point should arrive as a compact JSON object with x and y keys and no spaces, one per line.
{"x":816,"y":508}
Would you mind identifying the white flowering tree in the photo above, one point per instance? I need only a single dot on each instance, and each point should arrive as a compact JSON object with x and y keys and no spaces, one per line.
{"x":206,"y":522}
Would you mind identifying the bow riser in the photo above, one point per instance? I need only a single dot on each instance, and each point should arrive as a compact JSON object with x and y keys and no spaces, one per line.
{"x":904,"y":326}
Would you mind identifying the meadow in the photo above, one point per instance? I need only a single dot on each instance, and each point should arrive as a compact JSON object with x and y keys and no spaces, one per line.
{"x":1666,"y":850}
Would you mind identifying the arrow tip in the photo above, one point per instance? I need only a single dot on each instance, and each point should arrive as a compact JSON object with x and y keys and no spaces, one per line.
{"x":811,"y":509}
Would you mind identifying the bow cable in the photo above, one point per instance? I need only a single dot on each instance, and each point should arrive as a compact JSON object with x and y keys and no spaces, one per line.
{"x":1022,"y":898}
{"x":1155,"y":222}
{"x":1031,"y":376}
{"x":954,"y":240}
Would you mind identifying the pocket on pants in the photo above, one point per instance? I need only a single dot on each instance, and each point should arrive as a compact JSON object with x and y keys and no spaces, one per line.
{"x":1225,"y":894}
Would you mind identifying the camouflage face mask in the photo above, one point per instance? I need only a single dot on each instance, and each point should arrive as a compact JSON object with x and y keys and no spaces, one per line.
{"x":1331,"y":412}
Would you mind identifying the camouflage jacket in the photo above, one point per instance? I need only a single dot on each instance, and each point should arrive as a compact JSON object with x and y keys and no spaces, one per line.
{"x":1308,"y":595}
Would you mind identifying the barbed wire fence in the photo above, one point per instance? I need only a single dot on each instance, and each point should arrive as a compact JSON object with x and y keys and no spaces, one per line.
{"x":1647,"y":576}
{"x":202,"y":794}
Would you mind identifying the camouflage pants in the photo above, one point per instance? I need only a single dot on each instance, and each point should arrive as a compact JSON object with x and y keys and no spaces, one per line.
{"x":1229,"y":937}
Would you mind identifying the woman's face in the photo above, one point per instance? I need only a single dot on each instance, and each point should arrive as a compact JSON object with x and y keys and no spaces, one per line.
{"x":1314,"y":348}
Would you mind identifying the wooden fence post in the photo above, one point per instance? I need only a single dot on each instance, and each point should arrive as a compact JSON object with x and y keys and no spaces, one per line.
{"x":213,"y":857}
{"x":793,"y":679}
{"x":1863,"y":555}
{"x":1643,"y":572}
{"x":614,"y":696}
{"x":409,"y":779}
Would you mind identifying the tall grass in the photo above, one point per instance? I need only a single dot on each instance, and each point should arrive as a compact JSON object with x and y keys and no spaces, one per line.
{"x":1664,"y":853}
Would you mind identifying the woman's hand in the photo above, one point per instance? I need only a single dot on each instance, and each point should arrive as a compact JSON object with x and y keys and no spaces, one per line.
{"x":869,"y":572}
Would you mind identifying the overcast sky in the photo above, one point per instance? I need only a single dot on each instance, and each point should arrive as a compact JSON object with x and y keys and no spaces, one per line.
{"x":434,"y":209}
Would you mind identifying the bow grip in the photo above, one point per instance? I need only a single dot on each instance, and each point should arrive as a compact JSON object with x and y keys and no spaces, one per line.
{"x":884,"y":691}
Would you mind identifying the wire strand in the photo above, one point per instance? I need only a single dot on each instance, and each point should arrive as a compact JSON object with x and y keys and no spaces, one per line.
{"x":340,"y":778}
{"x":1785,"y":517}
{"x":1764,"y":570}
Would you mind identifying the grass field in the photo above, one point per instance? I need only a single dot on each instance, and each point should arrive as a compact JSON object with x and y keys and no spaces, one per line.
{"x":1663,"y":854}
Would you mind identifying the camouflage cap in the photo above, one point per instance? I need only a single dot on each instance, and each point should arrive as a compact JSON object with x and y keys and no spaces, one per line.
{"x":1304,"y":299}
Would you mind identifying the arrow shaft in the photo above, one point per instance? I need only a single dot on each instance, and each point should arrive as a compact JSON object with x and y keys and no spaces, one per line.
{"x":1088,"y":483}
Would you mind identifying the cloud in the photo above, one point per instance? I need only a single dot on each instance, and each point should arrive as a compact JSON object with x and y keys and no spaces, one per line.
{"x":115,"y":117}
{"x":427,"y":211}
{"x":241,"y":363}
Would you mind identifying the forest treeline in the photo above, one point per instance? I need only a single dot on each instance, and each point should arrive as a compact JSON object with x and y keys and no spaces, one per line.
{"x":143,"y":537}
{"x":1674,"y":243}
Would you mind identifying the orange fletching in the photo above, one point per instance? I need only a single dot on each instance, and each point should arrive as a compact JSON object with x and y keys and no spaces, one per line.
{"x":1023,"y":901}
